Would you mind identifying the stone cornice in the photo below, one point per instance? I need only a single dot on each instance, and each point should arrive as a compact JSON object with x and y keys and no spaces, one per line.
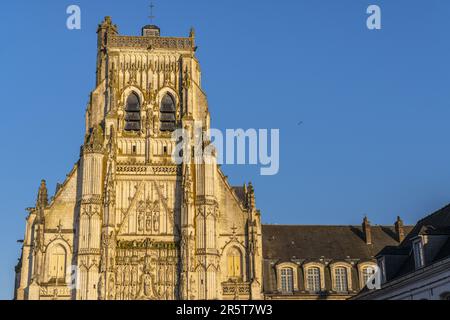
{"x":139,"y":42}
{"x":171,"y":170}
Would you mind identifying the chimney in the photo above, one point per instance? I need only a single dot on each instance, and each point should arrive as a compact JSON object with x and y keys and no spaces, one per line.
{"x":367,"y":231}
{"x":399,"y":230}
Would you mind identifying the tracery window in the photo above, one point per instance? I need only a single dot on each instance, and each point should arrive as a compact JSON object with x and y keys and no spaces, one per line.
{"x":168,"y":113}
{"x":57,"y":265}
{"x":234,"y":258}
{"x":133,"y":113}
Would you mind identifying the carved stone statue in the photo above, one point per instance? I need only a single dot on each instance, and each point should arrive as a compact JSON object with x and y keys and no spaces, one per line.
{"x":112,"y":288}
{"x":147,"y":290}
{"x":148,"y":222}
{"x":101,"y":285}
{"x":140,"y":221}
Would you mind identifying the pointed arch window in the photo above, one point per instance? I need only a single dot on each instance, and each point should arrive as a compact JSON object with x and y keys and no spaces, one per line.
{"x":201,"y":284}
{"x":168,"y":113}
{"x":234,"y":264}
{"x":57,"y":265}
{"x":133,"y":113}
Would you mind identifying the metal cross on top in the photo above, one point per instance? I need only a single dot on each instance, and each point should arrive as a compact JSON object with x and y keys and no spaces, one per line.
{"x":151,"y":16}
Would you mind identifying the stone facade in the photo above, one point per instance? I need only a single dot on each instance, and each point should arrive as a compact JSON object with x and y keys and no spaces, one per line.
{"x":129,"y":223}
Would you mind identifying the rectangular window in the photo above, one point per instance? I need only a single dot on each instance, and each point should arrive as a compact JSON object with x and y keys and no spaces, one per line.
{"x":341,"y":279}
{"x":367,"y":273}
{"x":418,"y":254}
{"x":287,"y":281}
{"x":313,"y":279}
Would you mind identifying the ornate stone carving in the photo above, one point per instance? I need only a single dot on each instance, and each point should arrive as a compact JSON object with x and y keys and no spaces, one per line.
{"x":130,"y":218}
{"x":117,"y":41}
{"x":94,"y":140}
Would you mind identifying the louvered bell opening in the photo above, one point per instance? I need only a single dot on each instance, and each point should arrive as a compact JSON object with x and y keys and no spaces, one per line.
{"x":133,"y":116}
{"x":168,"y":122}
{"x":133,"y":126}
{"x":133,"y":103}
{"x":133,"y":107}
{"x":168,"y":126}
{"x":167,"y":117}
{"x":168,"y":110}
{"x":167,"y":104}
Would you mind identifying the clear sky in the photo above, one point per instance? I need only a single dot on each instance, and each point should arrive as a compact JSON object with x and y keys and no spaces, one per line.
{"x":363,"y":115}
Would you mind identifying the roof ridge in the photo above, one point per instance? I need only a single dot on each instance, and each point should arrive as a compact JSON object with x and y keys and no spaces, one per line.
{"x":438,"y":211}
{"x":328,"y":225}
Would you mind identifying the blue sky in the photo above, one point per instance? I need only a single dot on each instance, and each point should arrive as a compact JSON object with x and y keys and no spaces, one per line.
{"x":374,"y":105}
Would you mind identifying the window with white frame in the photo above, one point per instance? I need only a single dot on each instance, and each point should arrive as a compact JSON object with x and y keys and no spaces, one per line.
{"x":367,"y":274}
{"x":418,"y":254}
{"x":341,"y":279}
{"x":287,"y":280}
{"x":313,"y":279}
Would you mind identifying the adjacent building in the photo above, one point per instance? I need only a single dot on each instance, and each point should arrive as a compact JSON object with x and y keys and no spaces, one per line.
{"x":418,"y":268}
{"x":323,"y":262}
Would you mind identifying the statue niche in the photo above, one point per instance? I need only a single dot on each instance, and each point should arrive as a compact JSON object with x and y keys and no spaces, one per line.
{"x":148,"y":217}
{"x":147,"y":289}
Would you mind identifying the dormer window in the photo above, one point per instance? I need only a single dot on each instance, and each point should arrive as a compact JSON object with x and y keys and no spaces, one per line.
{"x":287,"y":277}
{"x":418,"y":254}
{"x":133,"y":113}
{"x":287,"y":280}
{"x":367,"y":275}
{"x":341,"y":279}
{"x":168,"y":113}
{"x":313,"y":280}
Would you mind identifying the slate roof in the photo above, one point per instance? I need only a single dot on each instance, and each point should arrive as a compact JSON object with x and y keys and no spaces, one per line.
{"x":240,"y":193}
{"x":285,"y":242}
{"x":437,"y":223}
{"x":444,"y":252}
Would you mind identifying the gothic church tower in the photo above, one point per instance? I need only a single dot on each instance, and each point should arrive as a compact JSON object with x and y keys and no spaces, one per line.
{"x":129,"y":223}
